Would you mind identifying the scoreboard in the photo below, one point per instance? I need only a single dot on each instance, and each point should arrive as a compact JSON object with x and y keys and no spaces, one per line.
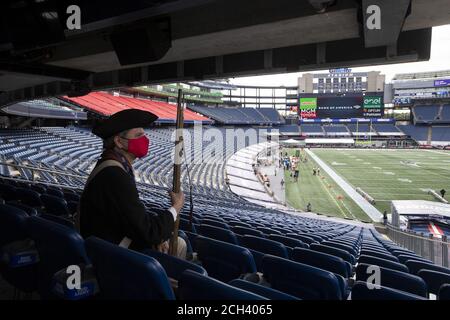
{"x":324,"y":106}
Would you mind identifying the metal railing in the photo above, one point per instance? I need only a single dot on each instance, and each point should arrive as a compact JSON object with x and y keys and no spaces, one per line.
{"x":73,"y":181}
{"x":436,"y":250}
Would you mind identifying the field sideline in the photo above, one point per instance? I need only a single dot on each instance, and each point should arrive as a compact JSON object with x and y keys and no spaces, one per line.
{"x":384,"y":174}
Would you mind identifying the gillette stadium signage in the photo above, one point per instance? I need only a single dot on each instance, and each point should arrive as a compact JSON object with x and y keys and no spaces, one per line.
{"x":442,"y":83}
{"x":340,"y":70}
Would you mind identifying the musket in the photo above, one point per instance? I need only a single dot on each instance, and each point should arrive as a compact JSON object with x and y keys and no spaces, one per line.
{"x":176,"y":186}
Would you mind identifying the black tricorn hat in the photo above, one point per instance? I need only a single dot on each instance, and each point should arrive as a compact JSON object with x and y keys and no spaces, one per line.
{"x":123,"y":120}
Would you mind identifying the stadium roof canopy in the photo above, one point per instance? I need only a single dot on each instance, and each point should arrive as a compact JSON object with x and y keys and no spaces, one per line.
{"x":421,"y":208}
{"x":422,"y":75}
{"x":127,"y":43}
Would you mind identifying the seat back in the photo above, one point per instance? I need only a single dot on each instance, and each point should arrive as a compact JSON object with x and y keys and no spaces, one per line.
{"x":383,"y":263}
{"x":29,"y":197}
{"x":216,"y":223}
{"x":18,"y":265}
{"x":29,"y":210}
{"x":415,"y":266}
{"x":288,"y":242}
{"x":300,"y":280}
{"x":313,"y":236}
{"x":434,"y":279}
{"x":54,"y":205}
{"x":224,"y":261}
{"x":321,"y":260}
{"x":333,"y":251}
{"x":58,"y":247}
{"x":8,"y":192}
{"x":265,"y":246}
{"x":62,"y":221}
{"x":381,"y":255}
{"x":267,"y":230}
{"x":125,"y":274}
{"x":195,"y":286}
{"x":394,"y":279}
{"x":12,"y":224}
{"x":405,"y":257}
{"x":264,"y":291}
{"x":306,"y":239}
{"x":247,"y":231}
{"x":69,"y":196}
{"x":38,"y":188}
{"x":361,"y":291}
{"x":444,"y":292}
{"x":340,"y":245}
{"x":55,"y":192}
{"x":217,"y":233}
{"x":174,"y":266}
{"x":239,"y":224}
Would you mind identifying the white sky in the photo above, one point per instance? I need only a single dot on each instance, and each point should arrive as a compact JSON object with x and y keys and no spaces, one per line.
{"x":440,"y":60}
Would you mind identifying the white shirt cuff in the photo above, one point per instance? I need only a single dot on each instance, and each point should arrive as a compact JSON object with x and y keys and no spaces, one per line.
{"x":173,"y":211}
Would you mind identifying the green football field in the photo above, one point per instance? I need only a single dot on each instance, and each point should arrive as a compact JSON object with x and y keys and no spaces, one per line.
{"x":384,"y":174}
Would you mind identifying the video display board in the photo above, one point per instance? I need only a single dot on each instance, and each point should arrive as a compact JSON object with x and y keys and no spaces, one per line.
{"x":348,"y":106}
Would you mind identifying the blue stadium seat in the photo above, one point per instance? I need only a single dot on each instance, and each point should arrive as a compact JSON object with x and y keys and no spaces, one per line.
{"x":395,"y":279}
{"x":58,"y":247}
{"x":378,"y":254}
{"x":127,"y":275}
{"x":217,"y":233}
{"x":61,"y":220}
{"x":265,"y":246}
{"x":398,"y":251}
{"x":216,"y":223}
{"x":224,"y":261}
{"x":69,"y":196}
{"x":17,"y":265}
{"x":261,"y":246}
{"x":29,"y":210}
{"x":403,"y":258}
{"x":195,"y":286}
{"x":342,"y":246}
{"x":239,"y":224}
{"x":174,"y":266}
{"x":306,"y":239}
{"x":434,"y":279}
{"x":301,"y":280}
{"x":334,"y":251}
{"x":415,"y":266}
{"x":383,"y":263}
{"x":247,"y":231}
{"x":323,"y":261}
{"x":315,"y":237}
{"x":258,"y":289}
{"x":444,"y":292}
{"x":38,"y":188}
{"x":360,"y":291}
{"x":288,"y":242}
{"x":55,"y":205}
{"x":8,"y":192}
{"x":55,"y":192}
{"x":267,"y":231}
{"x":29,"y":197}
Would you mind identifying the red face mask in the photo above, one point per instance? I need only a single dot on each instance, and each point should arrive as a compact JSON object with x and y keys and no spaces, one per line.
{"x":138,"y":146}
